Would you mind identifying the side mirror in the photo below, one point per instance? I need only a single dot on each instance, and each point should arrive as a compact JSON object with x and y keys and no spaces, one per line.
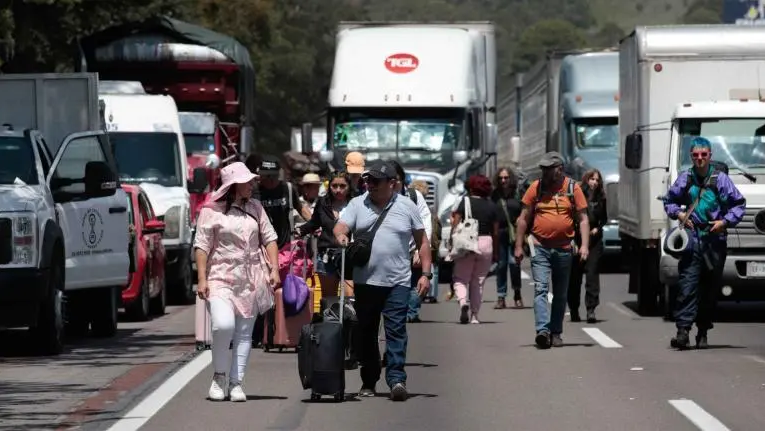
{"x":515,"y":149}
{"x":306,"y":138}
{"x":153,"y":226}
{"x":461,"y":156}
{"x":213,"y":161}
{"x":491,"y":139}
{"x":633,"y":151}
{"x":326,"y":156}
{"x":100,"y":181}
{"x":198,"y":182}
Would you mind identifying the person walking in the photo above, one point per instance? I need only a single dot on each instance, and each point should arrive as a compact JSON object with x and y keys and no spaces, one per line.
{"x":592,"y":186}
{"x":233,"y":275}
{"x":471,"y":269}
{"x":354,"y":165}
{"x":713,"y":204}
{"x":505,"y":196}
{"x":552,"y":206}
{"x":383,"y":283}
{"x":327,"y":212}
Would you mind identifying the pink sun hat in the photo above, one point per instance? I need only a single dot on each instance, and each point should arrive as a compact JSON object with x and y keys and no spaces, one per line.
{"x":235,"y":173}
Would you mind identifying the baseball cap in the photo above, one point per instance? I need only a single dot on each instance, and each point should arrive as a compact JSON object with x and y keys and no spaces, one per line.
{"x":551,"y":159}
{"x":354,"y":162}
{"x":381,"y":170}
{"x":269,"y":166}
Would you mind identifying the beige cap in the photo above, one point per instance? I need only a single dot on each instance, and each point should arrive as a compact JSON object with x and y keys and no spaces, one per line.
{"x":311,"y":178}
{"x":354,"y":162}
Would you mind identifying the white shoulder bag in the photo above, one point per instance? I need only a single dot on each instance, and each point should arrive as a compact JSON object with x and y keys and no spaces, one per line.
{"x":465,"y":234}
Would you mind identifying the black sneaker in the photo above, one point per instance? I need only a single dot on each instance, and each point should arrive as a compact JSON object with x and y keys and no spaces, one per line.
{"x":366,"y":392}
{"x":681,"y":340}
{"x":464,"y":318}
{"x":701,"y":340}
{"x":543,"y":340}
{"x":557,"y":341}
{"x":591,"y":317}
{"x":575,"y":317}
{"x":398,"y":392}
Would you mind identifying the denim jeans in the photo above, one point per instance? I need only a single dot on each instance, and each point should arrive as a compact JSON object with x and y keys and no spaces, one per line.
{"x":415,"y":302}
{"x":700,"y":278}
{"x":550,"y":264}
{"x":392,"y":302}
{"x":507,"y":262}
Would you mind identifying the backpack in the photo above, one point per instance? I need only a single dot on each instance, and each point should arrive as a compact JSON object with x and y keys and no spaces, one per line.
{"x":710,"y":184}
{"x":569,"y":194}
{"x":413,"y":195}
{"x":435,"y":237}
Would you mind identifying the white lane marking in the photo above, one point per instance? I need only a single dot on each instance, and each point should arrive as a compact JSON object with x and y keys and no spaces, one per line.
{"x":694,"y":413}
{"x":601,"y":338}
{"x":755,"y":358}
{"x":622,"y":309}
{"x":525,"y":276}
{"x":153,"y":403}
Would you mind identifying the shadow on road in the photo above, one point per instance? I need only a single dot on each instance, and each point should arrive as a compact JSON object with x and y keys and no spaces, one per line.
{"x":726,"y":312}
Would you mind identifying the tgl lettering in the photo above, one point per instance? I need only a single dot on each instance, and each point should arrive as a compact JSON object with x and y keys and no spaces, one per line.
{"x":404,"y":63}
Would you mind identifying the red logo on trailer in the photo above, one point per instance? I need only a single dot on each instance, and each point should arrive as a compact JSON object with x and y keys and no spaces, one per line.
{"x":401,"y":63}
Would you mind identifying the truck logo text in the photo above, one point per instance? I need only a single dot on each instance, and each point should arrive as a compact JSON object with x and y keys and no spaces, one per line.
{"x":401,"y":63}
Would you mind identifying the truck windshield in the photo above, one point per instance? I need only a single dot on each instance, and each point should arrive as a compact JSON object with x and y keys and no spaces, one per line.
{"x":411,"y":142}
{"x":199,"y":144}
{"x":596,"y":133}
{"x":17,"y":160}
{"x":147,"y":157}
{"x":738,"y":142}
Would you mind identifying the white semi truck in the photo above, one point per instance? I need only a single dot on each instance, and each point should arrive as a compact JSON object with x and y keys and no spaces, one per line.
{"x":569,"y":104}
{"x":677,"y":82}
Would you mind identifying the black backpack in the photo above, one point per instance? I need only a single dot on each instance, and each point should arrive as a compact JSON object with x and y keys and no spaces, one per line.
{"x":711,"y":183}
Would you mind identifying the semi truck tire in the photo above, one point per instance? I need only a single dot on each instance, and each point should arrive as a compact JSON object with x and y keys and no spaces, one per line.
{"x":48,"y":334}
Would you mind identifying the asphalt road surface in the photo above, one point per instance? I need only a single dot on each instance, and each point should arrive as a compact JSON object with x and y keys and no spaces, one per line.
{"x":618,"y":374}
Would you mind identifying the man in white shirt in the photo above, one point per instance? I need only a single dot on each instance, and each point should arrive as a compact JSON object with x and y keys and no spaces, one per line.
{"x":415,"y":301}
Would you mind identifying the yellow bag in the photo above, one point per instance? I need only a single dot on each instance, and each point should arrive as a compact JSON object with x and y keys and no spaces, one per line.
{"x":315,"y":286}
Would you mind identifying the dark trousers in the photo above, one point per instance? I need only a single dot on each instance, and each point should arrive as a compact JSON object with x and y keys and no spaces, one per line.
{"x":700,"y":271}
{"x":392,"y":303}
{"x":590,"y":270}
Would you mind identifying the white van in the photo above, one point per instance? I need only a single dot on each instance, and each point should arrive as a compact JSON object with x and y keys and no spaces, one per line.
{"x":150,"y":151}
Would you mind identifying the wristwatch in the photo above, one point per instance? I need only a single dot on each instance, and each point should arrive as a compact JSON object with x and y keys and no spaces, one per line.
{"x":428,"y":275}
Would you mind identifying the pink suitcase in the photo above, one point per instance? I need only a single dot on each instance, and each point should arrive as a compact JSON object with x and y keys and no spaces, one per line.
{"x":279,"y":331}
{"x":202,"y":325}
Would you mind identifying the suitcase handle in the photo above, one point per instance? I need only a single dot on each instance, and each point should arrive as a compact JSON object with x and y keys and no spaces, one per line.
{"x":342,"y":283}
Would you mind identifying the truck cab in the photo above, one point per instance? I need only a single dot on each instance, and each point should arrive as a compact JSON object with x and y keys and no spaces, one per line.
{"x":63,"y":235}
{"x":150,"y":150}
{"x":737,"y":132}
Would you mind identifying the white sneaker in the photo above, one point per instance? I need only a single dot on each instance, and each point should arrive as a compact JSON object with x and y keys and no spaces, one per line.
{"x":474,"y":320}
{"x":237,"y":394}
{"x":217,"y":390}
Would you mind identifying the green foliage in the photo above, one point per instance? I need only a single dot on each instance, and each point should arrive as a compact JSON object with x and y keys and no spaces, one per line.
{"x":292,"y":41}
{"x":704,"y":12}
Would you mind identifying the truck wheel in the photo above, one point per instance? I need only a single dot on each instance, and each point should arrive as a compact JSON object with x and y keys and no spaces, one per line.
{"x":49,"y":332}
{"x":139,"y":309}
{"x":648,"y":282}
{"x":104,"y":319}
{"x":159,"y":303}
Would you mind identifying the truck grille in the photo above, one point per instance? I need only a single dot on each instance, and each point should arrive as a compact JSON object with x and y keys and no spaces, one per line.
{"x":6,"y":241}
{"x":430,"y":198}
{"x":744,"y":235}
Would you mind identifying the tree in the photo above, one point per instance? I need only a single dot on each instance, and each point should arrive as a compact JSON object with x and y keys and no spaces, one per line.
{"x":609,"y":35}
{"x":704,"y":12}
{"x":544,"y":36}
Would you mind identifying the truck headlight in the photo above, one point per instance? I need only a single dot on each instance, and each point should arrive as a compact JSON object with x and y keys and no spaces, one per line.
{"x":24,"y":239}
{"x":172,"y":223}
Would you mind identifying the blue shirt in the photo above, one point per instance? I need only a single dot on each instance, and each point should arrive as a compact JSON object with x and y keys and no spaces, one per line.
{"x":390,"y":263}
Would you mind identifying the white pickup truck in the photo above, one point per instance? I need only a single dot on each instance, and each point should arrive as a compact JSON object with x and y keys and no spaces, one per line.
{"x":63,"y":217}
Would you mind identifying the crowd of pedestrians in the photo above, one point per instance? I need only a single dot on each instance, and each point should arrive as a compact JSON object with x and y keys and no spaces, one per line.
{"x":555,"y":221}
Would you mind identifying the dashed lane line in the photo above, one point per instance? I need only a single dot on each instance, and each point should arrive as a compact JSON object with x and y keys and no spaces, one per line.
{"x":698,"y":416}
{"x":146,"y":409}
{"x":601,"y":338}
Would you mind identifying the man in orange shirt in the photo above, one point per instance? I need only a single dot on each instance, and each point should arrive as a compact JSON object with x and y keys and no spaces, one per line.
{"x":552,"y":207}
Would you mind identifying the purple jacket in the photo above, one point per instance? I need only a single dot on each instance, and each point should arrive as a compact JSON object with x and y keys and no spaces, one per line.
{"x":730,"y":206}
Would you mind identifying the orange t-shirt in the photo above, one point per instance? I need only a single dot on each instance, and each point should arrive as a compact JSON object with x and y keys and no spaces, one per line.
{"x":553,"y":225}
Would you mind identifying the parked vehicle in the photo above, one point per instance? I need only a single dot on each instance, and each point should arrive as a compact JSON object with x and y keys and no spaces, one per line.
{"x":144,"y":294}
{"x":63,"y":218}
{"x":660,"y":109}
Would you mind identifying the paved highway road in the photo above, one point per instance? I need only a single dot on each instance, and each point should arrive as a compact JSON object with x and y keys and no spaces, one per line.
{"x":618,"y":374}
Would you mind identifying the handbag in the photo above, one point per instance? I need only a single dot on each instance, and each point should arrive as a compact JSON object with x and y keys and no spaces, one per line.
{"x":360,"y":249}
{"x":465,"y":234}
{"x":510,"y":227}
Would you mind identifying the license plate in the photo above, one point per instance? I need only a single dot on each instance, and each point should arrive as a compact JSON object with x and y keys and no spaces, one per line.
{"x":755,"y":269}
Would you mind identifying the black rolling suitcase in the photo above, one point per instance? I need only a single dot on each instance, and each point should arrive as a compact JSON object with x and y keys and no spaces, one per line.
{"x":321,"y":352}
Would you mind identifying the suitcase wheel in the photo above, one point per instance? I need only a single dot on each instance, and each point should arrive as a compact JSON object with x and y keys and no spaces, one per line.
{"x":315,"y":396}
{"x":339,"y":397}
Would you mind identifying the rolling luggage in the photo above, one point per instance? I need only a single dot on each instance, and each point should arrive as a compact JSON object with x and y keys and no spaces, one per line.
{"x":321,"y":353}
{"x":202,"y":325}
{"x":282,"y":332}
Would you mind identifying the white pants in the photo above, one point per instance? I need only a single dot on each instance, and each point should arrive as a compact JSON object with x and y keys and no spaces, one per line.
{"x":227,"y":325}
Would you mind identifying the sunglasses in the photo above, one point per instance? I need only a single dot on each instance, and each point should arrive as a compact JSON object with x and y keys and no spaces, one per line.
{"x":700,"y":154}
